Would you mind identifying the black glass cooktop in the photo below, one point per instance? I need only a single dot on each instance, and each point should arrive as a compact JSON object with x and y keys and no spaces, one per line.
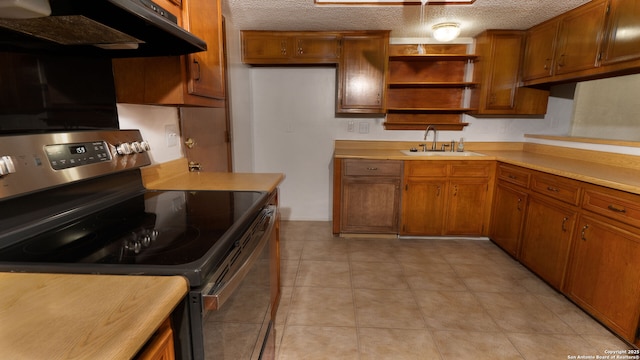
{"x":155,"y":230}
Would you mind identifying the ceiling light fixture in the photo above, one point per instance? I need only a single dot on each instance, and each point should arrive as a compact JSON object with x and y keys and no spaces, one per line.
{"x":447,"y":31}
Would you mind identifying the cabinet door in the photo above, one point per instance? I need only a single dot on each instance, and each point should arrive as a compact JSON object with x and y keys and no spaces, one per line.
{"x":206,"y":69}
{"x":508,"y":213}
{"x":465,"y":214}
{"x":370,"y":204}
{"x":423,"y":206}
{"x":580,"y":37}
{"x":539,"y":51}
{"x":547,"y":239}
{"x":605,"y":277}
{"x":317,"y":48}
{"x":623,"y":39}
{"x":502,"y":74}
{"x":263,"y":47}
{"x":160,"y":346}
{"x":362,"y":73}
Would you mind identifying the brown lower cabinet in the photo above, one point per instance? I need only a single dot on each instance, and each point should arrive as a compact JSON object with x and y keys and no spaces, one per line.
{"x":547,"y":239}
{"x":446,"y":197}
{"x":369,"y":196}
{"x":161,"y":346}
{"x":582,"y":239}
{"x":509,"y":205}
{"x":604,"y":277}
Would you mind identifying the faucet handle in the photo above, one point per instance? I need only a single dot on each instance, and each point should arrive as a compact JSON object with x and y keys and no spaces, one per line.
{"x":443,"y":147}
{"x":424,"y":147}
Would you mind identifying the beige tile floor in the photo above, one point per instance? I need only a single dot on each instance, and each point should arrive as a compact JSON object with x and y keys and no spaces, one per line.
{"x":368,"y":298}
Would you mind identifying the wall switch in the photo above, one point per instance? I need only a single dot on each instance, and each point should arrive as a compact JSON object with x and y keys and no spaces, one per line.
{"x":350,"y":126}
{"x":171,"y":135}
{"x":363,"y":128}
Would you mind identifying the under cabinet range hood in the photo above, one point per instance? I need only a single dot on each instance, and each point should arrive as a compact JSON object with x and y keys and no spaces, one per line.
{"x":111,"y":28}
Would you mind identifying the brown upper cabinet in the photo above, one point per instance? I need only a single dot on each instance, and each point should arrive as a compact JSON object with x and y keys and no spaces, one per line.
{"x":362,"y":73}
{"x":497,"y":70}
{"x":280,"y":47}
{"x":579,"y":39}
{"x":584,"y":43}
{"x":361,"y":58}
{"x":622,"y":42}
{"x":539,"y":55}
{"x":196,"y":79}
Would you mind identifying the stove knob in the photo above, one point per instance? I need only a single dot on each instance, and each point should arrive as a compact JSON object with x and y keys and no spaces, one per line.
{"x":145,"y":145}
{"x":6,"y":166}
{"x":136,"y":147}
{"x":124,"y":149}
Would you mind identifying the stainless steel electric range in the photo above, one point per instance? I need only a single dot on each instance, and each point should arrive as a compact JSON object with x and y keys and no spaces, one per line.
{"x":74,"y":203}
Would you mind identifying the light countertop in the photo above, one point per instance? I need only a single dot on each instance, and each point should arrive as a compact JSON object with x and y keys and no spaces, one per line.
{"x":174,"y":176}
{"x":68,"y":316}
{"x":611,"y":170}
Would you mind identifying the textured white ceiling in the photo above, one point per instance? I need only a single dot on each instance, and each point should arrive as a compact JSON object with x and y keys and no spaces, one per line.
{"x":403,"y":21}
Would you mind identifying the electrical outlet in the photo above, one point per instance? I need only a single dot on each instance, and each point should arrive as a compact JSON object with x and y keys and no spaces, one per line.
{"x":350,"y":126}
{"x":171,"y":135}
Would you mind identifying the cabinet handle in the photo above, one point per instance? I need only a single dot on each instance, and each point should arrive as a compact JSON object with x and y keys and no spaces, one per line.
{"x":283,"y":47}
{"x":511,"y":176}
{"x":372,"y":168}
{"x":546,"y":63}
{"x":564,"y":221}
{"x":582,"y":235}
{"x":197,"y":69}
{"x":300,"y":48}
{"x":455,"y":190}
{"x":561,"y":61}
{"x":519,"y":202}
{"x":552,"y":189}
{"x":616,"y":209}
{"x":438,"y":191}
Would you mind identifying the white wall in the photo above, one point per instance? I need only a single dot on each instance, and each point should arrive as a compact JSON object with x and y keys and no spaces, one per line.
{"x":159,"y":125}
{"x":608,"y":108}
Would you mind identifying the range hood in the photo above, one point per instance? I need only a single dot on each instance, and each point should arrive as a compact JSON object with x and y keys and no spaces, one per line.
{"x":111,"y":28}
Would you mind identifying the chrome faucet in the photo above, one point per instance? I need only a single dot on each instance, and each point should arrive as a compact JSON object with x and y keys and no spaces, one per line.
{"x":426,"y":133}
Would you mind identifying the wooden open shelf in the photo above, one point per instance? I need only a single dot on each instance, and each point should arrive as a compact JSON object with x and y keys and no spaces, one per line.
{"x":427,"y":89}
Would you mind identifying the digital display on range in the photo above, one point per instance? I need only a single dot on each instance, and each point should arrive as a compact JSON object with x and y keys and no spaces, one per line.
{"x":64,"y":156}
{"x":77,"y":149}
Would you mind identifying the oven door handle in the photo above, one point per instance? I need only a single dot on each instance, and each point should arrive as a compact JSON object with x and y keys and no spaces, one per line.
{"x":215,"y":300}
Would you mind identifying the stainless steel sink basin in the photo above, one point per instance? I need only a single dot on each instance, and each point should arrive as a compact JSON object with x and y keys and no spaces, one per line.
{"x":440,"y":153}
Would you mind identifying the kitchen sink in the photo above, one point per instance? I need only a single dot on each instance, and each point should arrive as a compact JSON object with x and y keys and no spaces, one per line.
{"x":440,"y":153}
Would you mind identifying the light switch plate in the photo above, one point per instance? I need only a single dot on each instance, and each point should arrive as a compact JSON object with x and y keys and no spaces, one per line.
{"x":171,"y":135}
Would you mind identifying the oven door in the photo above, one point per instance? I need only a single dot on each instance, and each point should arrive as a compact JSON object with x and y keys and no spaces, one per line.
{"x":231,"y":315}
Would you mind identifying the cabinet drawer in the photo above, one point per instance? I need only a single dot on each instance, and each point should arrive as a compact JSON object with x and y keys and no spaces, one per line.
{"x":470,"y":169}
{"x":425,"y":168}
{"x":372,"y":168}
{"x":556,"y":187}
{"x":614,"y":204}
{"x":514,"y":175}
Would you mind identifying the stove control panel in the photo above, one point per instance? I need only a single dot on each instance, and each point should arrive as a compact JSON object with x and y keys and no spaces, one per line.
{"x":70,"y":155}
{"x":34,"y":162}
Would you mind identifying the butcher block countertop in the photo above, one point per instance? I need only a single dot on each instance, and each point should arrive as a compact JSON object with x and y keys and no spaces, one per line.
{"x":173,"y":175}
{"x":67,"y":316}
{"x":612,"y":170}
